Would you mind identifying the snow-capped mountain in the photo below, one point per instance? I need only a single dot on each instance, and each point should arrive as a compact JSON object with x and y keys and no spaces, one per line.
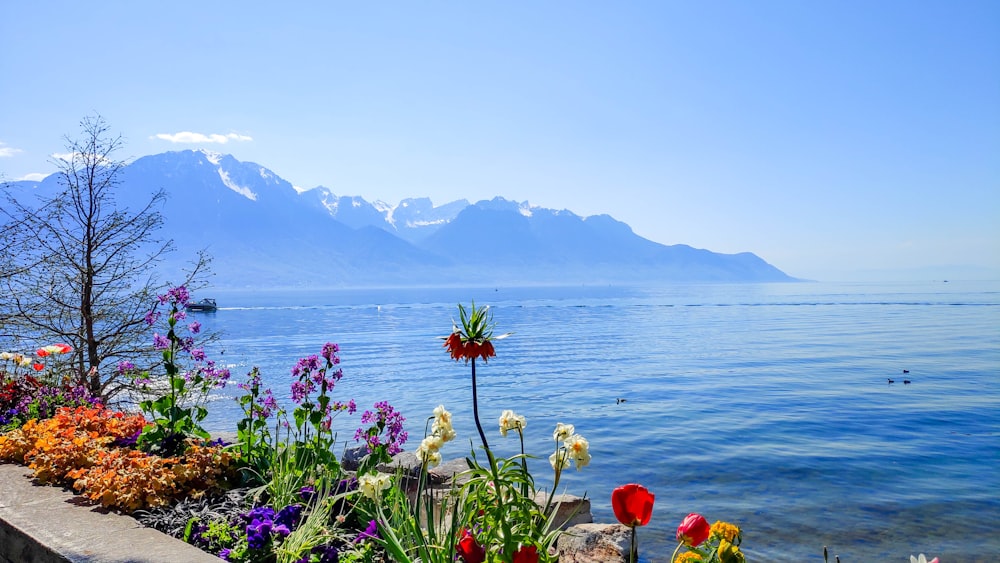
{"x":262,"y":231}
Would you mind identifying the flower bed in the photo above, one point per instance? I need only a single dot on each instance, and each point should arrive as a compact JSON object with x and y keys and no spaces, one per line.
{"x":278,"y":493}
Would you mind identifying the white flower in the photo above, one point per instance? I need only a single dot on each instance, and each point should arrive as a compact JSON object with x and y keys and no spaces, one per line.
{"x":442,"y":416}
{"x":432,"y":459}
{"x":427,"y":451}
{"x":371,"y":485}
{"x":6,"y":356}
{"x":559,"y":460}
{"x":511,"y":421}
{"x":432,"y":443}
{"x":442,"y":424}
{"x":922,"y":559}
{"x":578,"y":449}
{"x":562,"y":432}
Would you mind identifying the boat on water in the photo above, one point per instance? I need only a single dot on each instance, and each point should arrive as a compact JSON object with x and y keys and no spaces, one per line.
{"x":204,"y":305}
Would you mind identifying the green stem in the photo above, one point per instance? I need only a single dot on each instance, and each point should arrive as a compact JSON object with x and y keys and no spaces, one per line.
{"x":678,"y":548}
{"x":555,"y":483}
{"x":634,"y":550}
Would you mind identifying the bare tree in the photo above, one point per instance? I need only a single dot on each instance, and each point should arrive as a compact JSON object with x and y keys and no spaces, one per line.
{"x":77,"y":268}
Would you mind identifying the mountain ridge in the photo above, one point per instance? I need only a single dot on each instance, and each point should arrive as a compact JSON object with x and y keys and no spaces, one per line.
{"x":264,"y":231}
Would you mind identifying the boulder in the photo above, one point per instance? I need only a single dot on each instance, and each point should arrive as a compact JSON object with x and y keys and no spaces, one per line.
{"x":594,"y":543}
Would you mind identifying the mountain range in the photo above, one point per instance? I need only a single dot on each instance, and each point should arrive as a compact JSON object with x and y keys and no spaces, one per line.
{"x":263,"y":232}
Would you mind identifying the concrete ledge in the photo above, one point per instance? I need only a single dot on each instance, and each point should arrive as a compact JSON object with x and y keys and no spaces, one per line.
{"x":43,"y":524}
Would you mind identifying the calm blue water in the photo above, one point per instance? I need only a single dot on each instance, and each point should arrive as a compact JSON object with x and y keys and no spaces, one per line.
{"x":764,"y":405}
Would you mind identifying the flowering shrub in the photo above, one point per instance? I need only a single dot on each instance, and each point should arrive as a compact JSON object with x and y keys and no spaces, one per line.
{"x":27,"y":392}
{"x":129,"y":480}
{"x":68,"y":440}
{"x":718,"y":543}
{"x":252,"y":433}
{"x":384,"y":419}
{"x":177,"y":414}
{"x":314,"y":413}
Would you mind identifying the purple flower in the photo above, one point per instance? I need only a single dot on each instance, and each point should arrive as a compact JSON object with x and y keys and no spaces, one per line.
{"x":194,"y":327}
{"x":160,"y":342}
{"x":346,"y":485}
{"x":268,"y":405}
{"x":224,"y":553}
{"x":384,"y":418}
{"x":371,"y":532}
{"x":198,"y":355}
{"x":152,"y":317}
{"x":125,"y":366}
{"x":178,"y":295}
{"x":288,"y":516}
{"x":306,"y":493}
{"x":327,"y":553}
{"x":306,"y":365}
{"x":180,"y":315}
{"x":330,"y":353}
{"x":300,"y":390}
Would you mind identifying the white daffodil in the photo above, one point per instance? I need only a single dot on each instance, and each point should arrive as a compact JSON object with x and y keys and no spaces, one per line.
{"x":559,"y":460}
{"x":578,"y":449}
{"x":511,"y":421}
{"x":562,"y":432}
{"x":371,"y":485}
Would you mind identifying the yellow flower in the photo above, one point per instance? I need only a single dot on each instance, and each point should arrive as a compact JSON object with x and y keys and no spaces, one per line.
{"x":727,"y":531}
{"x":729,"y":553}
{"x":688,"y":557}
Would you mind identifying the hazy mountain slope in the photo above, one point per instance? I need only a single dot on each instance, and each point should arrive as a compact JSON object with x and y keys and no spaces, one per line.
{"x":263,"y":232}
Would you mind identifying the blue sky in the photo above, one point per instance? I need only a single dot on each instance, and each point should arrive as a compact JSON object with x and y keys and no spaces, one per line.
{"x":837,"y":140}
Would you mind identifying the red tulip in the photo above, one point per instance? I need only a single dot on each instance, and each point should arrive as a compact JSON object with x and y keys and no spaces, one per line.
{"x":38,"y":367}
{"x":633,"y":504}
{"x":64,"y":348}
{"x":527,"y":554}
{"x":41,"y":352}
{"x":694,"y":529}
{"x":469,"y":549}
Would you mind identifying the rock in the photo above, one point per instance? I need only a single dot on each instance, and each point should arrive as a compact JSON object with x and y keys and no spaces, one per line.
{"x":405,"y":462}
{"x":445,"y":473}
{"x":352,"y":457}
{"x":570,"y":510}
{"x":594,"y":543}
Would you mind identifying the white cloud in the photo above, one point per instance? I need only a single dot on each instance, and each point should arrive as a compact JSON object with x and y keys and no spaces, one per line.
{"x":189,"y":137}
{"x":8,"y":151}
{"x":33,"y":177}
{"x":79,"y":157}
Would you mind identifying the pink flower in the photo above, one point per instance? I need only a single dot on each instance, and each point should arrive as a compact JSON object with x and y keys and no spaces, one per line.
{"x":694,"y":530}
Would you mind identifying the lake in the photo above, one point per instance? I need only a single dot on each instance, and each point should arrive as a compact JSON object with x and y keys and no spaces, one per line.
{"x":766,"y":405}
